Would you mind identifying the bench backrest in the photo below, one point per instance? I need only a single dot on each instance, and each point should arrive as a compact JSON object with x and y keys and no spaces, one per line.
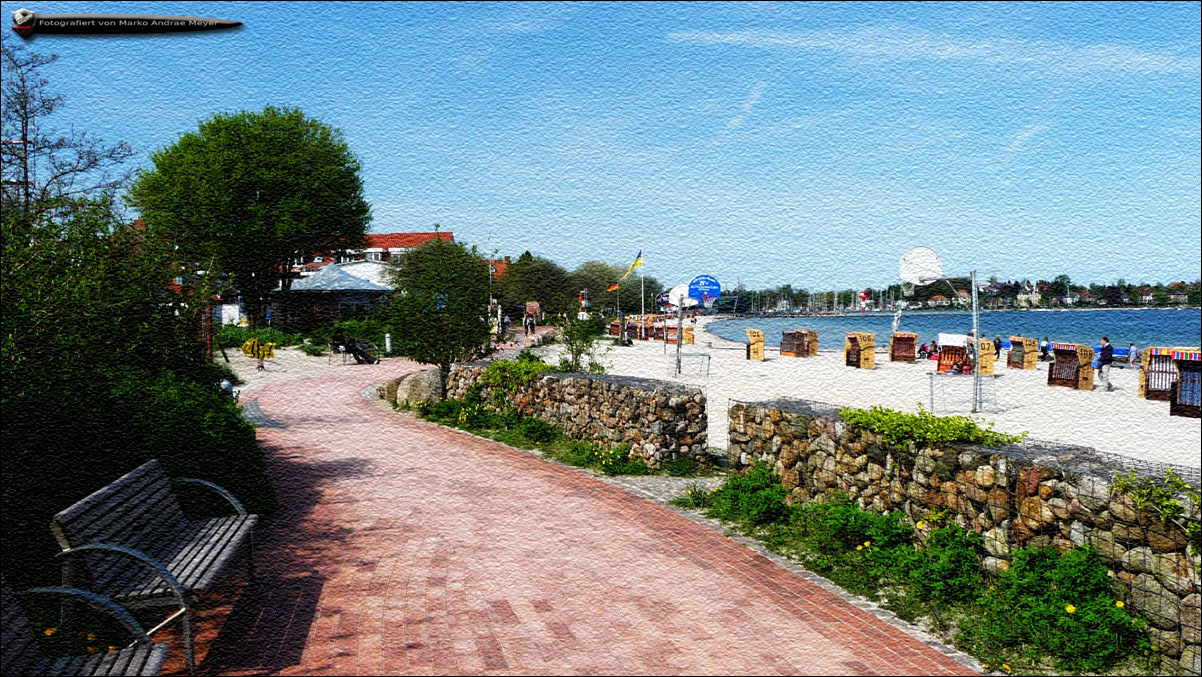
{"x":20,"y":650}
{"x":134,"y":510}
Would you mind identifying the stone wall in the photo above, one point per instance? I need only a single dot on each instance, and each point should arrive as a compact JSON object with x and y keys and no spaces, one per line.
{"x":657,"y":420}
{"x":1005,"y":495}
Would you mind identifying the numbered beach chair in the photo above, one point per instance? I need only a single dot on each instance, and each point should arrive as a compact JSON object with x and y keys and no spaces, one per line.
{"x":1024,"y":353}
{"x":1185,"y":396}
{"x":1071,"y":367}
{"x":949,"y":357}
{"x":1157,"y":373}
{"x":859,"y":350}
{"x":902,"y":346}
{"x":755,"y":345}
{"x":987,"y":356}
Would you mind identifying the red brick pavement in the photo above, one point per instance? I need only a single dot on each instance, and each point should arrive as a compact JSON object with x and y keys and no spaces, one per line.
{"x":403,"y":547}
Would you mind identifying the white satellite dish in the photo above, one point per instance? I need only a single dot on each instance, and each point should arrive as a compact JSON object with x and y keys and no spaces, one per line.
{"x":920,"y":265}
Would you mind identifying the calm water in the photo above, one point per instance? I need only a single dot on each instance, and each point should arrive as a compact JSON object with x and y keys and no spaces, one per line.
{"x":1175,"y":327}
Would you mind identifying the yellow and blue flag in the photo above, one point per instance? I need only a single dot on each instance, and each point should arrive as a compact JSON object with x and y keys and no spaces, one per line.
{"x":638,"y":263}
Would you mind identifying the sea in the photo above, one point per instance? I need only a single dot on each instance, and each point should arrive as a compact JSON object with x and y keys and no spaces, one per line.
{"x":1166,"y":327}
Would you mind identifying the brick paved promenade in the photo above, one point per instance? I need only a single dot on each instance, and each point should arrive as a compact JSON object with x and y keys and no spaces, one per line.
{"x":403,"y":547}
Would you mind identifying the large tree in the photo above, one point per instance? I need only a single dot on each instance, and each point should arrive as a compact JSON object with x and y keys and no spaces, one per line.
{"x":596,"y":276}
{"x":538,"y":279}
{"x":252,"y":194}
{"x":438,"y":315}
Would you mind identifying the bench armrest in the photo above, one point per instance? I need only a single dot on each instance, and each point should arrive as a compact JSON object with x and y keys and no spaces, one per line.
{"x":145,"y":559}
{"x":224,"y":494}
{"x":97,"y":602}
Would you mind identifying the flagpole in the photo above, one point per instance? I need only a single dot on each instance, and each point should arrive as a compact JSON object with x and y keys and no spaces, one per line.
{"x":642,"y":302}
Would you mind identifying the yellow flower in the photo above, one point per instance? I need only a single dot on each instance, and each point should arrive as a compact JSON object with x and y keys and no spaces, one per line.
{"x":1119,"y":604}
{"x":112,"y":648}
{"x":49,"y":631}
{"x":922,"y":524}
{"x":859,"y":547}
{"x":1070,"y":608}
{"x":91,"y":637}
{"x":91,"y":649}
{"x":1005,"y":667}
{"x":867,"y":544}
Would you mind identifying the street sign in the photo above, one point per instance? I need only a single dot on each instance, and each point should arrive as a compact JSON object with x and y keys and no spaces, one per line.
{"x":661,"y":299}
{"x":704,"y":287}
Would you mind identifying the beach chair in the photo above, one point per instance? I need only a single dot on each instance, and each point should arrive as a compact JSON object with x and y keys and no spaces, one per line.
{"x":859,"y":350}
{"x":808,"y":347}
{"x":987,"y":358}
{"x":789,"y":341}
{"x":949,"y":357}
{"x":1185,"y":396}
{"x":1071,"y":366}
{"x":902,"y":346}
{"x":1157,"y":374}
{"x":755,"y":345}
{"x":1024,"y":353}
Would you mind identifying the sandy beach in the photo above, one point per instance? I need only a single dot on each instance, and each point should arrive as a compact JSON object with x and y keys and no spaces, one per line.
{"x":1116,"y":422}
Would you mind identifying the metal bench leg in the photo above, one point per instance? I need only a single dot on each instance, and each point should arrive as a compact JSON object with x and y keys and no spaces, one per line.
{"x":189,"y":649}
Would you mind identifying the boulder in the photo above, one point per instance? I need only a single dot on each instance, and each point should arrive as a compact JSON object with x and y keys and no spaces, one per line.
{"x":1175,"y":572}
{"x":1191,"y":660}
{"x":1093,"y":492}
{"x":423,"y":385}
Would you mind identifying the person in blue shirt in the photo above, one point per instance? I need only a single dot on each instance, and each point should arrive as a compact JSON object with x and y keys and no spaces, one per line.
{"x":1105,"y":358}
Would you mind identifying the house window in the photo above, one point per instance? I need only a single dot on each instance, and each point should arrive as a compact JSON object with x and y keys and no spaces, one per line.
{"x":373,"y":256}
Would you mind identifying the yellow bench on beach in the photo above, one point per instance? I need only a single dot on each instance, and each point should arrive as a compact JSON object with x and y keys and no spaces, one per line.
{"x":1072,"y":368}
{"x":859,"y":350}
{"x":755,"y":345}
{"x":902,"y":346}
{"x":1024,"y":353}
{"x":986,"y":356}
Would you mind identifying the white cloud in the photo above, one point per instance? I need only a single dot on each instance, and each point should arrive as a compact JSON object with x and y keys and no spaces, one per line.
{"x":1023,"y":136}
{"x":900,"y":42}
{"x":752,"y":99}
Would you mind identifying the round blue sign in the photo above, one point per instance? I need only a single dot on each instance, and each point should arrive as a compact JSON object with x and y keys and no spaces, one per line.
{"x":704,"y":287}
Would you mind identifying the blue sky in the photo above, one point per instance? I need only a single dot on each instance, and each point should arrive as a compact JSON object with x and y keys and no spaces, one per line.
{"x":809,"y":144}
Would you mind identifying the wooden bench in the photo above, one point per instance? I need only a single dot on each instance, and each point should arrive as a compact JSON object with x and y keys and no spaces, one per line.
{"x":22,"y":656}
{"x":130,"y":542}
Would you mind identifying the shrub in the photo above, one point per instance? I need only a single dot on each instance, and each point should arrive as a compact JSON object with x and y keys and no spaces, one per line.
{"x":503,"y":378}
{"x":948,"y":569}
{"x":538,"y":430}
{"x":755,"y":497}
{"x":695,"y":497}
{"x":1059,"y":606}
{"x":232,"y":336}
{"x":924,"y":428}
{"x":682,"y":466}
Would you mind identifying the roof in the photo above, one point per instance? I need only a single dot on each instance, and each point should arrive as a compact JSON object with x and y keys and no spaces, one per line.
{"x":499,"y":266}
{"x":372,"y":271}
{"x":403,"y":240}
{"x":333,"y":278}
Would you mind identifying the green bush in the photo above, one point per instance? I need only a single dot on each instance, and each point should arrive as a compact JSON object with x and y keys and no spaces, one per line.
{"x":837,"y":525}
{"x":948,"y":569}
{"x":754,"y":497}
{"x":314,"y":350}
{"x":503,"y":378}
{"x":1052,"y":605}
{"x":695,"y":497}
{"x":924,"y":428}
{"x":538,"y":430}
{"x":233,"y":336}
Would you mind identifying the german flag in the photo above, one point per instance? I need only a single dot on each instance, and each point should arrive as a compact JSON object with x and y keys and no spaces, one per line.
{"x":612,"y":287}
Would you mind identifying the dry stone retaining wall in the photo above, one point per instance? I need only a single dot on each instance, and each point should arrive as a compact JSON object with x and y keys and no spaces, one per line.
{"x":1011,"y":502}
{"x":657,"y":420}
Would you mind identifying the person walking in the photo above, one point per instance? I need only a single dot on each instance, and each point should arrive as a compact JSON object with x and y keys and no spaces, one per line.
{"x":505,"y":326}
{"x":1104,"y":359}
{"x":529,"y":324}
{"x":997,"y":347}
{"x":1133,"y":357}
{"x":1044,"y":347}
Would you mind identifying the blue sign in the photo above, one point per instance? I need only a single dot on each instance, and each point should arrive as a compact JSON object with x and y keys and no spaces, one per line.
{"x":661,"y":299}
{"x":704,"y":287}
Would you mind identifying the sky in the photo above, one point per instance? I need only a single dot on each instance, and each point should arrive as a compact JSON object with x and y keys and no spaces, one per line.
{"x":763,"y":143}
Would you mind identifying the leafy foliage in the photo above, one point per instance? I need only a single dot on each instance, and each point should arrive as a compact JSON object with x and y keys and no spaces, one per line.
{"x":580,"y":344}
{"x":102,"y":370}
{"x":1055,"y":605}
{"x":754,"y":497}
{"x":948,"y":569}
{"x":925,"y":428}
{"x":503,"y":378}
{"x":251,"y":194}
{"x":1164,"y":499}
{"x":437,"y":317}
